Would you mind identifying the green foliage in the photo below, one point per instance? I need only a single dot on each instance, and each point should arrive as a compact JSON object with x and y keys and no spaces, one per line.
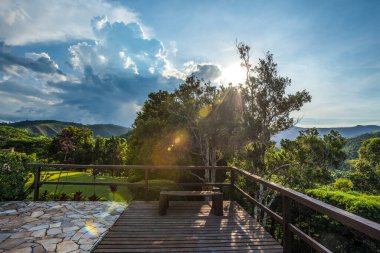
{"x":103,"y":191}
{"x":352,"y":145}
{"x":7,"y":132}
{"x":72,"y":145}
{"x":50,"y":128}
{"x":14,"y":176}
{"x":343,"y":184}
{"x":110,"y":151}
{"x":370,"y":151}
{"x":65,"y":196}
{"x":22,"y":141}
{"x":153,"y":132}
{"x":266,"y":106}
{"x":307,"y":161}
{"x":115,"y":151}
{"x":183,"y":127}
{"x":138,"y":193}
{"x":99,"y":152}
{"x":367,"y":206}
{"x":366,"y":176}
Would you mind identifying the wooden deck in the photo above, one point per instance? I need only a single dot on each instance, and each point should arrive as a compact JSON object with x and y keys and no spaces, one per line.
{"x":187,"y":227}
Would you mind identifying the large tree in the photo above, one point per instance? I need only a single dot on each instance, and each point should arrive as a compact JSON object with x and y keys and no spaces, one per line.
{"x":73,"y":144}
{"x":266,"y":106}
{"x":191,"y":125}
{"x":366,"y":176}
{"x":154,"y":131}
{"x":308,"y":160}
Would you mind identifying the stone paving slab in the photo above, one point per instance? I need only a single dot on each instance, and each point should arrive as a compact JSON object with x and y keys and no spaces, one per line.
{"x":69,"y":226}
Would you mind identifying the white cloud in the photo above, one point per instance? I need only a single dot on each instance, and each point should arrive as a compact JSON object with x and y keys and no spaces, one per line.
{"x":15,"y":14}
{"x":205,"y":70}
{"x":119,"y":49}
{"x":23,"y":22}
{"x":114,"y":69}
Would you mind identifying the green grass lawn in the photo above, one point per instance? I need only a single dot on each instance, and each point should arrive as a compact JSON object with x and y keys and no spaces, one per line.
{"x":122,"y":193}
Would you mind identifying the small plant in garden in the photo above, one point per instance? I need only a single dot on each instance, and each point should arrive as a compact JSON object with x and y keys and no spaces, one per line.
{"x":63,"y":196}
{"x":93,"y":198}
{"x":77,"y":196}
{"x":44,"y":195}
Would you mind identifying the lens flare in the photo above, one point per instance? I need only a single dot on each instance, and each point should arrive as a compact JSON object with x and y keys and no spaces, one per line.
{"x":116,"y":197}
{"x":90,"y":230}
{"x":204,"y":111}
{"x":177,"y":140}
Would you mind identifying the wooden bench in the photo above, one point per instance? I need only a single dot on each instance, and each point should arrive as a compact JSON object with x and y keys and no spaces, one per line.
{"x":216,"y":195}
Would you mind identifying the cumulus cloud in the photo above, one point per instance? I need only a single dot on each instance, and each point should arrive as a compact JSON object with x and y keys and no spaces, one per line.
{"x":35,"y":62}
{"x":119,"y":49}
{"x":117,"y":72}
{"x":23,"y":22}
{"x":112,"y":73}
{"x":205,"y":71}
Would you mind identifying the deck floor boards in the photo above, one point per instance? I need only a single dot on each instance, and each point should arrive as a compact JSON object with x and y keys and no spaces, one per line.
{"x":188,"y":227}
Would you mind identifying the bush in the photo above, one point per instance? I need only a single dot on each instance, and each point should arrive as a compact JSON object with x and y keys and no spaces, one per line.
{"x":343,"y":184}
{"x":14,"y":176}
{"x":365,"y":205}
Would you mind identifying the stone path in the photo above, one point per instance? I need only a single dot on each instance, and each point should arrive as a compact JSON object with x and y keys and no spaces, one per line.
{"x":37,"y":227}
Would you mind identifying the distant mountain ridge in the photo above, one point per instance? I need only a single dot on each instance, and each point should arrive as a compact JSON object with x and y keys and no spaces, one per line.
{"x":52,"y":127}
{"x":347,"y":132}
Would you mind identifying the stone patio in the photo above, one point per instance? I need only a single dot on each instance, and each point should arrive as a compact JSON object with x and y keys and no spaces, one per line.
{"x":36,"y":227}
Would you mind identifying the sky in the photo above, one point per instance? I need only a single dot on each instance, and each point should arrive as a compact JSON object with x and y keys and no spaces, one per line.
{"x":96,"y":61}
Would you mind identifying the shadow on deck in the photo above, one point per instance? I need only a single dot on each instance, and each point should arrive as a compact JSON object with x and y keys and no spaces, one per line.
{"x":188,"y":227}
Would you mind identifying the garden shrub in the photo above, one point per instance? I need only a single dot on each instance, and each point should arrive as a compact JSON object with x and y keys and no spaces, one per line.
{"x":14,"y":176}
{"x":343,"y":184}
{"x":367,"y":206}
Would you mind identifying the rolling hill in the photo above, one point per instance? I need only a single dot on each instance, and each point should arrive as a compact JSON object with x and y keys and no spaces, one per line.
{"x":347,"y":132}
{"x":52,"y":127}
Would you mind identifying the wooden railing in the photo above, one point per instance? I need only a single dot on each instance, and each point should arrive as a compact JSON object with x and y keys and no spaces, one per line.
{"x":147,"y":169}
{"x":367,"y":227}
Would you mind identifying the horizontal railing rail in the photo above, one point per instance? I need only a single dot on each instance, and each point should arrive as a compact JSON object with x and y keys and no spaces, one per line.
{"x":86,"y":166}
{"x":367,"y":227}
{"x":146,"y":184}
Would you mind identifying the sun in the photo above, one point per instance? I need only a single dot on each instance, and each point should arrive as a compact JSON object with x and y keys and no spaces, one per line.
{"x":232,"y":73}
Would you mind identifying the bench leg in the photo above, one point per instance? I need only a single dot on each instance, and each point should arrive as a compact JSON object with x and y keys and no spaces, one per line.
{"x":217,"y":204}
{"x":163,"y":204}
{"x":217,"y":190}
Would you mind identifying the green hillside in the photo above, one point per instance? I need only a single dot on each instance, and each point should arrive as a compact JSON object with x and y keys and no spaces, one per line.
{"x":347,"y":132}
{"x":22,"y":141}
{"x":353,"y":144}
{"x":52,"y":127}
{"x":7,"y":132}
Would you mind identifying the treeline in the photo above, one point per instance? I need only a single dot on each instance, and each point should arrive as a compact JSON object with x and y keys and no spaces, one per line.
{"x":72,"y":145}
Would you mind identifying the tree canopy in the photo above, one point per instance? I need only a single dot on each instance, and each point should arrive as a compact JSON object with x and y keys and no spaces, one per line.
{"x":266,"y":105}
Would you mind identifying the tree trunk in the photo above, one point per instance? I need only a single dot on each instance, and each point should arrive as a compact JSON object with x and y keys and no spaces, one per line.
{"x":213,"y":163}
{"x":207,"y":161}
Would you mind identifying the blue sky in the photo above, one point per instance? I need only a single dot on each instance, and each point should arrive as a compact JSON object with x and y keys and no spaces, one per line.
{"x":95,"y":61}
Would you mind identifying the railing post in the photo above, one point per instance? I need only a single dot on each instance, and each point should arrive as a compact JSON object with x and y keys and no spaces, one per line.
{"x":232,"y":183}
{"x":146,"y":187}
{"x":37,"y":183}
{"x":287,"y":219}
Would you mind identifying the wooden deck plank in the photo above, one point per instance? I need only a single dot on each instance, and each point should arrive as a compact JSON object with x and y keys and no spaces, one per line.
{"x":188,"y":227}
